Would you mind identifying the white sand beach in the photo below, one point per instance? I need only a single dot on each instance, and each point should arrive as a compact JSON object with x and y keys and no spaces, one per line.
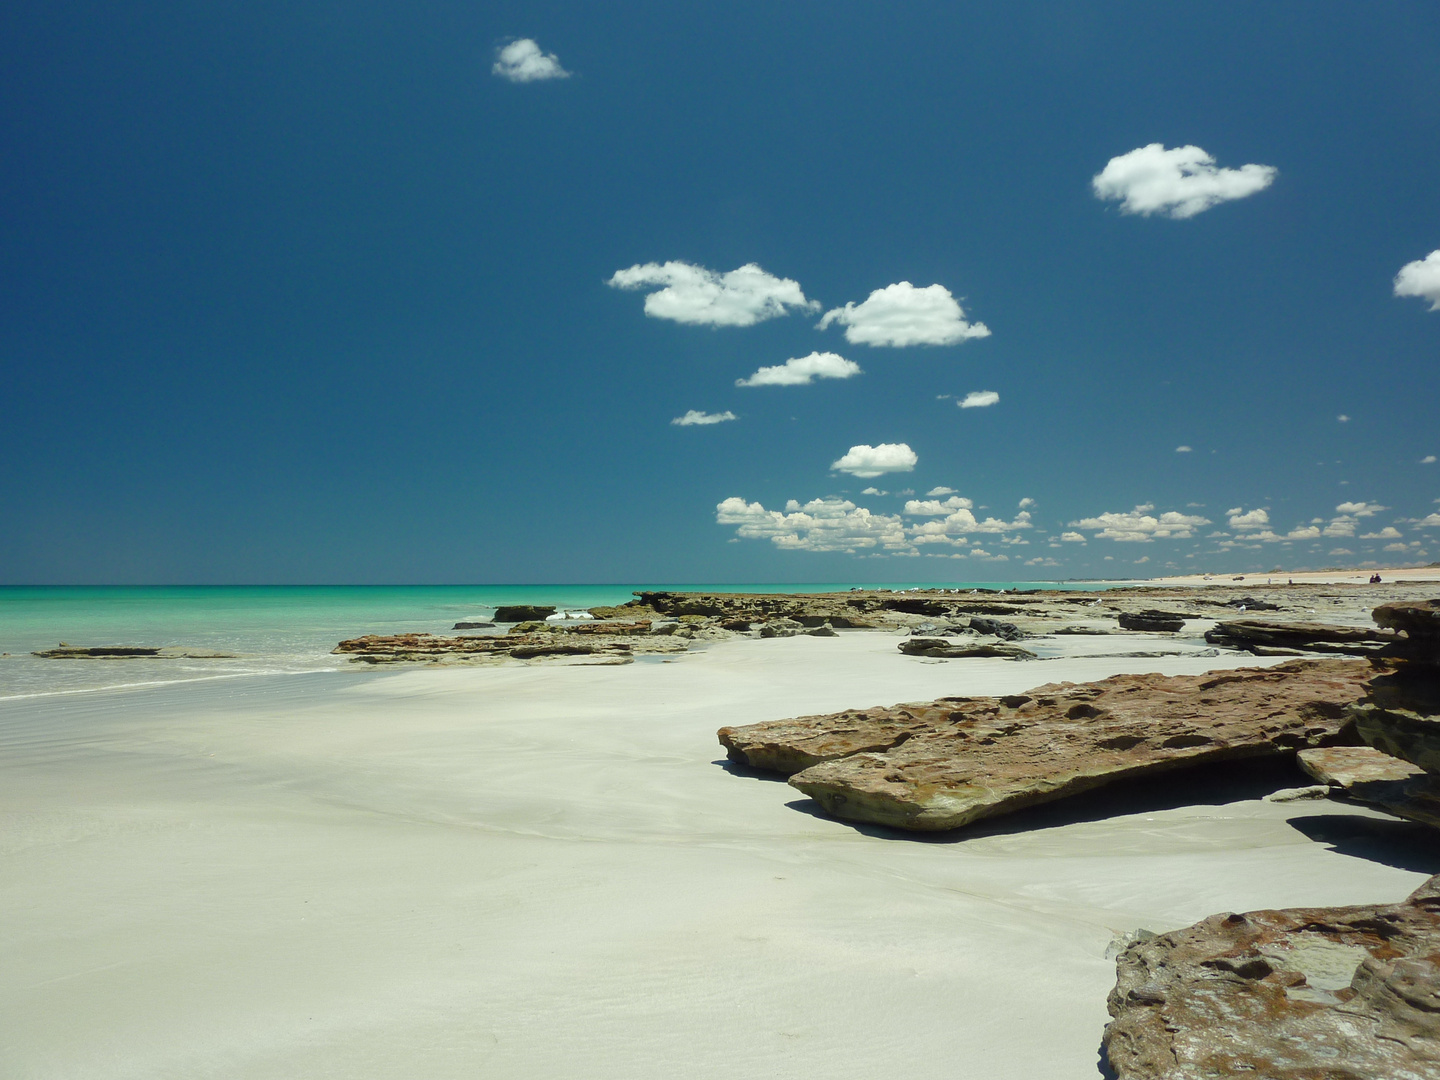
{"x":545,"y":871}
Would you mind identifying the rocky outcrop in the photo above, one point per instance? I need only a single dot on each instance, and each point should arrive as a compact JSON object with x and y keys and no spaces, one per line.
{"x":1419,"y":621}
{"x":1366,"y":775}
{"x":947,"y":763}
{"x":1152,"y":620}
{"x":515,"y":613}
{"x":128,"y":652}
{"x":1005,"y":631}
{"x":1344,"y":993}
{"x":478,"y":625}
{"x":1271,"y":638}
{"x":949,"y":650}
{"x":431,"y":648}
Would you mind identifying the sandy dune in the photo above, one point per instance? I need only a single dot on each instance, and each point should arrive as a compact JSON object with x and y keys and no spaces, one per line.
{"x":545,"y":872}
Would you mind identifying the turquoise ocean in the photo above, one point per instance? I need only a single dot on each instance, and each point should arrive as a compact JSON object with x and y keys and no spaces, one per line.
{"x":278,"y":629}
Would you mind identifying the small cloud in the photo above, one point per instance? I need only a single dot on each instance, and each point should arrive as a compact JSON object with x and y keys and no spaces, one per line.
{"x":900,"y":315}
{"x":1241,"y":521}
{"x":1343,"y":418}
{"x":1026,"y":503}
{"x":939,"y":492}
{"x":866,"y":461}
{"x":1421,"y":278}
{"x":1140,"y":525}
{"x":943,"y":397}
{"x":695,"y":416}
{"x":1432,"y":521}
{"x":1428,"y":459}
{"x":1389,"y":532}
{"x":936,"y":508}
{"x":696,"y":296}
{"x":1072,"y":537}
{"x":1306,"y":532}
{"x":979,"y":399}
{"x":1341,"y":551}
{"x":803,"y":370}
{"x":1360,"y":509}
{"x":1142,"y":559}
{"x":1183,"y":450}
{"x":1178,"y":183}
{"x":523,"y":61}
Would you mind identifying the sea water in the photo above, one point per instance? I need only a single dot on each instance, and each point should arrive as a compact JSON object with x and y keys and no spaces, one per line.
{"x":277,"y":629}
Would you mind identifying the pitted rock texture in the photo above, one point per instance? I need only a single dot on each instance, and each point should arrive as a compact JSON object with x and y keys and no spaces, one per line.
{"x":1346,"y":993}
{"x":944,"y":764}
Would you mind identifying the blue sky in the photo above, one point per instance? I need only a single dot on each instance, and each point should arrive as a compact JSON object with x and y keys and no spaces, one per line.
{"x":314,"y":292}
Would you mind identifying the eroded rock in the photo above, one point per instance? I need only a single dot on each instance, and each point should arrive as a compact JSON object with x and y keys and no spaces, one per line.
{"x":1152,"y":620}
{"x":1344,"y":993}
{"x":1268,"y":637}
{"x":944,"y":764}
{"x":950,"y":650}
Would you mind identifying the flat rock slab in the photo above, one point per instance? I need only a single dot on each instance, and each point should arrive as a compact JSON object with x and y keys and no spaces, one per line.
{"x":944,"y":764}
{"x":1369,"y":776}
{"x":1300,"y":994}
{"x":133,"y":652}
{"x":1267,"y":636}
{"x":950,"y":650}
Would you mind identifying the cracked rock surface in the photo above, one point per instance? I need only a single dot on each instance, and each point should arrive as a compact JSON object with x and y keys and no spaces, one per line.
{"x":1344,"y":993}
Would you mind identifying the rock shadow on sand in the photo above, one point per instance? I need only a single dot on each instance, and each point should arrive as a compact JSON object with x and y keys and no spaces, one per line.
{"x":1405,"y":845}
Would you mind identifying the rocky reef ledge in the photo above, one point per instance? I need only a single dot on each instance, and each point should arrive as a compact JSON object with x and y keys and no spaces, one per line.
{"x":947,"y":763}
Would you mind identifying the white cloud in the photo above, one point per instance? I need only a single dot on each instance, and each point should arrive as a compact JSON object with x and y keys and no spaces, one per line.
{"x":1389,"y":532}
{"x":1360,"y":509}
{"x":523,"y":61}
{"x":1241,"y":521}
{"x":1026,"y":503}
{"x":694,"y":295}
{"x":901,"y":314}
{"x":1341,"y":551}
{"x":874,"y":491}
{"x":1430,"y":522}
{"x":1421,"y":278}
{"x":935,"y":508}
{"x":1428,"y":459}
{"x":819,"y":525}
{"x":1141,"y":526}
{"x":1306,"y":532}
{"x":939,"y":491}
{"x":866,"y":461}
{"x":1343,"y":418}
{"x":1340,"y":526}
{"x":979,"y":399}
{"x":1183,"y":450}
{"x":1396,"y":547}
{"x":1179,"y":183}
{"x":1073,"y":537}
{"x":803,"y":370}
{"x":695,"y":416}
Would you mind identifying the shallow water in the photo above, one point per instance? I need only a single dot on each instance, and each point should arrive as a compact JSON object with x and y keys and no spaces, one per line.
{"x":273,"y":629}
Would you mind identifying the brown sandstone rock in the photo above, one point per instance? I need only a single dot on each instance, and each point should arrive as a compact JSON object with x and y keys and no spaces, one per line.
{"x":1348,"y":993}
{"x":1370,"y":776}
{"x":944,"y":764}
